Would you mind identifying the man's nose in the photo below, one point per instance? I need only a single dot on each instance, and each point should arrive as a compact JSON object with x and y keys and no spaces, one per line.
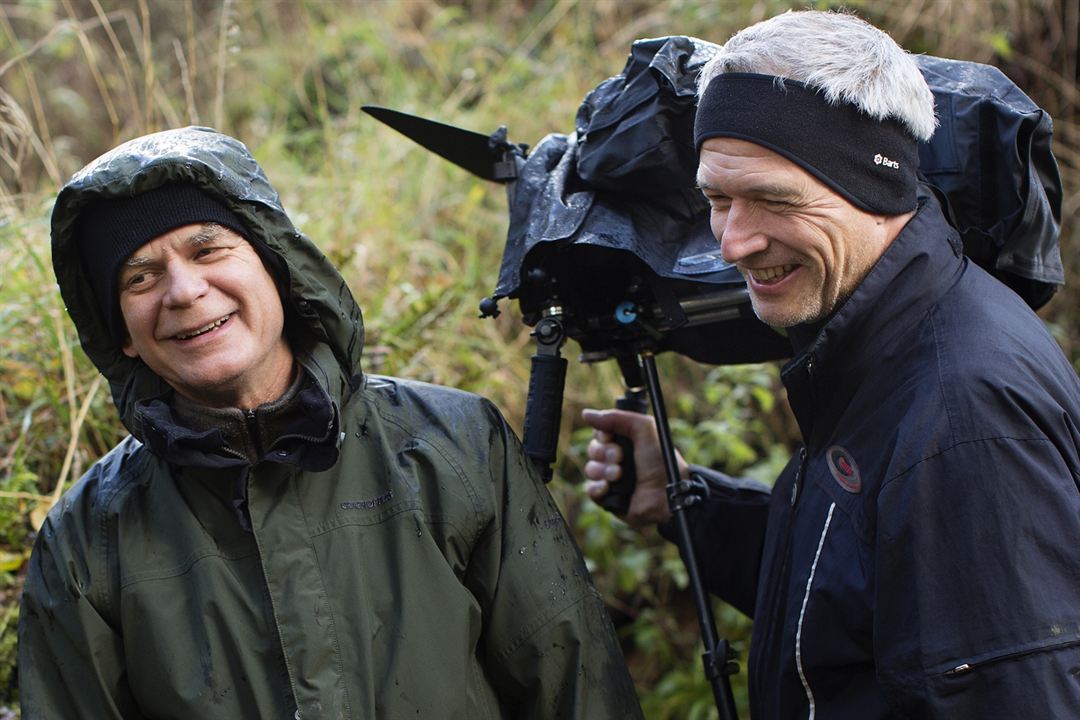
{"x":740,"y":233}
{"x":186,"y":284}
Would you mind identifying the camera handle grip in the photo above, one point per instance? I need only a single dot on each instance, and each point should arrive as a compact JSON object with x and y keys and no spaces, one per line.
{"x":543,"y":408}
{"x":617,"y":498}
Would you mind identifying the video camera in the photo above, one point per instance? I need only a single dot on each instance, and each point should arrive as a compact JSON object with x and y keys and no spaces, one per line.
{"x":609,"y":242}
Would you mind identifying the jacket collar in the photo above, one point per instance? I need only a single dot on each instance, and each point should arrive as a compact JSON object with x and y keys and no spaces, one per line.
{"x":300,"y":428}
{"x":832,"y":360}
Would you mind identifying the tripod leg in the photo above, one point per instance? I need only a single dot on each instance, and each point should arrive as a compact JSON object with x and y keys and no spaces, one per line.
{"x":717,"y":651}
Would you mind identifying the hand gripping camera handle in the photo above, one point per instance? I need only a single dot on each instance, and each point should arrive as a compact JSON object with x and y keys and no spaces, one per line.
{"x":617,"y":499}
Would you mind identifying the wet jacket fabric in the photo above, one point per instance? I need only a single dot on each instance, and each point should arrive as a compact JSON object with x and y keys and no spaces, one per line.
{"x":393,"y":554}
{"x":918,"y":558}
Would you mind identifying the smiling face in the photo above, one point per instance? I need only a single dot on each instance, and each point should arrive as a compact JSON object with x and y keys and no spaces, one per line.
{"x":801,"y":246}
{"x":202,"y":311}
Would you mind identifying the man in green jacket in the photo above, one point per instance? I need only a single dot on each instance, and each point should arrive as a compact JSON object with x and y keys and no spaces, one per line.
{"x":283,"y":536}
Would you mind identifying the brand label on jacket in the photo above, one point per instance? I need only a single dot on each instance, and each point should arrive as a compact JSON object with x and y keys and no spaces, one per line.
{"x":368,"y":504}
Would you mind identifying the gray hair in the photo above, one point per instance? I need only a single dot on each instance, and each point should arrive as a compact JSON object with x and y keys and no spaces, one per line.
{"x":845,"y":57}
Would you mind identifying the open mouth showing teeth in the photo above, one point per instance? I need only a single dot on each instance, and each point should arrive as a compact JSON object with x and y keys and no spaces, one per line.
{"x":203,"y":330}
{"x":770,"y":274}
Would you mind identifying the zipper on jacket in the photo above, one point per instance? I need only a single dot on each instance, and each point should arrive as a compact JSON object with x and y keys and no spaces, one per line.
{"x":965,"y":668}
{"x":253,"y":430}
{"x":798,"y":476}
{"x":775,"y":612}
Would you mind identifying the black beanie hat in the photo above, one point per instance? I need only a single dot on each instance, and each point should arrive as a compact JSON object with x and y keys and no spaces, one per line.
{"x":109,"y":231}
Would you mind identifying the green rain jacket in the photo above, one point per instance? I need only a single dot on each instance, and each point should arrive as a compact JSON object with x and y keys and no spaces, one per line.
{"x":426,"y":573}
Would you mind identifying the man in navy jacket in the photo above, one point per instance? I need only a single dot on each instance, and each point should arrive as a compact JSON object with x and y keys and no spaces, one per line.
{"x":919,"y":556}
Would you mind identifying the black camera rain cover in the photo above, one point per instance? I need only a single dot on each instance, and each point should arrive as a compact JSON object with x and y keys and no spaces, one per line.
{"x":625,"y":179}
{"x":991,"y":162}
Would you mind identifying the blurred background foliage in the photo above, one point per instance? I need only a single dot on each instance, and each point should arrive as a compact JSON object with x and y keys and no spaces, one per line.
{"x":418,"y":239}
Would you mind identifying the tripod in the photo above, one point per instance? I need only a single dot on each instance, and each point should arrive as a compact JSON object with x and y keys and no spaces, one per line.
{"x":541,"y":438}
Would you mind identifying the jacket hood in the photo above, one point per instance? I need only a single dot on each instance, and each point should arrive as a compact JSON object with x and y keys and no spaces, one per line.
{"x":317,"y":298}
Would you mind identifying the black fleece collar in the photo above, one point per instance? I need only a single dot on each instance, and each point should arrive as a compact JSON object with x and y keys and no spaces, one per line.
{"x":300,"y":428}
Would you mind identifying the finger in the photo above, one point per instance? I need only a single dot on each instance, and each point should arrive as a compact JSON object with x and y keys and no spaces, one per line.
{"x":618,"y":422}
{"x":606,"y":452}
{"x":607,"y":472}
{"x":603,"y":436}
{"x":596,"y":489}
{"x":594,"y":471}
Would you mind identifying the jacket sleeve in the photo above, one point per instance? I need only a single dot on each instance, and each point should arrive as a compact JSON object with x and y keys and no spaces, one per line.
{"x":549,"y":646}
{"x":71,"y":660}
{"x":978,"y":604}
{"x":727,"y":530}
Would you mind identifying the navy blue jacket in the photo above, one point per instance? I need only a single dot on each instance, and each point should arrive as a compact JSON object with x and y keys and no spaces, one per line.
{"x":920,"y":557}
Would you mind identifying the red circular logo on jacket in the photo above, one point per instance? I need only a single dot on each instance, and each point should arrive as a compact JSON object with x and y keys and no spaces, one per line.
{"x":843,"y":468}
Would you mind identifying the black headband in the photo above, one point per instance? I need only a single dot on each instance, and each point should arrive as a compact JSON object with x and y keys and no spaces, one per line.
{"x":870,"y":162}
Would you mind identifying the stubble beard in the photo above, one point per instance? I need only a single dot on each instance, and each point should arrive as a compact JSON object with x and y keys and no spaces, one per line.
{"x":806,"y":311}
